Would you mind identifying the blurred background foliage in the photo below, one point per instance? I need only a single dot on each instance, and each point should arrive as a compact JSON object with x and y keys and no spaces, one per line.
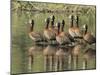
{"x":87,"y":13}
{"x":51,"y":7}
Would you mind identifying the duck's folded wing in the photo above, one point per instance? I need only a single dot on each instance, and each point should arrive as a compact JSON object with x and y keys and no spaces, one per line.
{"x":35,"y":36}
{"x":90,"y":38}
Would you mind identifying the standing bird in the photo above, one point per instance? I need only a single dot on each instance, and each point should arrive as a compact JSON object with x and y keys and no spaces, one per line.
{"x":48,"y":33}
{"x":62,"y":37}
{"x":88,"y":37}
{"x":52,"y":21}
{"x":68,"y":36}
{"x":52,"y":27}
{"x":76,"y":27}
{"x":71,"y":27}
{"x":66,"y":33}
{"x":35,"y":36}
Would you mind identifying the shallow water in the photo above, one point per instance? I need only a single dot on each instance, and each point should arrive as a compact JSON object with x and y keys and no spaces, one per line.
{"x":22,"y":46}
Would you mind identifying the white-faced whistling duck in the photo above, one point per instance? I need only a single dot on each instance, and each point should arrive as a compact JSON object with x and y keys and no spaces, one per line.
{"x":61,"y":38}
{"x":88,"y":37}
{"x":71,"y":27}
{"x":76,"y":27}
{"x":69,"y":38}
{"x":36,"y":37}
{"x":52,"y":22}
{"x":48,"y":33}
{"x":52,"y":27}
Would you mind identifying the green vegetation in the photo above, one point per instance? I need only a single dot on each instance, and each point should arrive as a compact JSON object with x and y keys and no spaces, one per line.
{"x":51,"y":7}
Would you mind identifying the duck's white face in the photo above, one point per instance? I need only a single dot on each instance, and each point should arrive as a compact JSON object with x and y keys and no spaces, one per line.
{"x":30,"y":22}
{"x":76,"y":20}
{"x":84,"y":26}
{"x":51,"y":17}
{"x":56,"y":25}
{"x":70,"y":16}
{"x":45,"y":20}
{"x":75,"y":16}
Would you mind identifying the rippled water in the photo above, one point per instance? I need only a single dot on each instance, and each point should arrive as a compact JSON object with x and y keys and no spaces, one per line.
{"x":27,"y":57}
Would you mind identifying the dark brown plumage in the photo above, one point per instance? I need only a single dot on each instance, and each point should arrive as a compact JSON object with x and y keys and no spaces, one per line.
{"x":62,"y":37}
{"x":35,"y":36}
{"x":88,"y":37}
{"x":71,"y":27}
{"x":76,"y":27}
{"x":48,"y":32}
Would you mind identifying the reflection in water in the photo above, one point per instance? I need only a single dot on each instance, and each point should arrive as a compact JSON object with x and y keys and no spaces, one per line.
{"x":88,"y":55}
{"x":49,"y":56}
{"x":70,"y":58}
{"x":31,"y":55}
{"x":30,"y":58}
{"x":59,"y":58}
{"x":75,"y":53}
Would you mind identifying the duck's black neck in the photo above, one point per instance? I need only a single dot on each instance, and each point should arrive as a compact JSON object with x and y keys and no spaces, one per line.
{"x":86,"y":30}
{"x":62,"y":28}
{"x":32,"y":26}
{"x":58,"y":28}
{"x":71,"y":19}
{"x":47,"y":23}
{"x":47,"y":26}
{"x":52,"y":23}
{"x":71,"y":23}
{"x":63,"y":24}
{"x":76,"y":23}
